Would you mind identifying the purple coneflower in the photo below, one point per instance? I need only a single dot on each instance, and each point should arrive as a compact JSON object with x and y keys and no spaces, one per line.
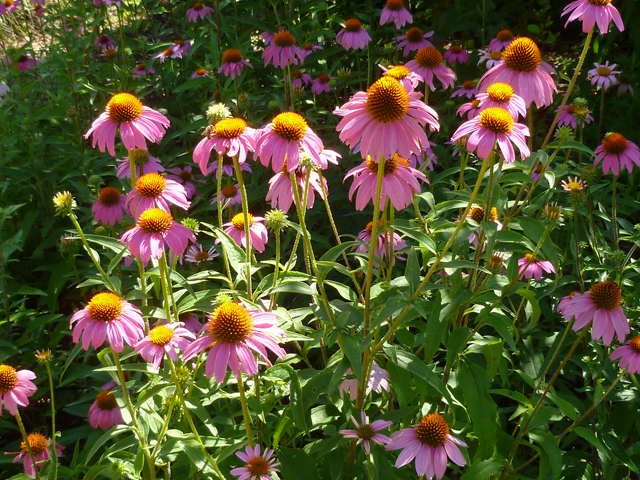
{"x":428,"y":63}
{"x":604,"y":75}
{"x":184,"y":176}
{"x":141,"y":70}
{"x":227,"y":167}
{"x":492,"y":58}
{"x":258,"y":466}
{"x":155,"y":191}
{"x":196,"y":254}
{"x":171,"y":52}
{"x":472,"y":109}
{"x":299,"y":79}
{"x":104,"y":411}
{"x":39,"y":447}
{"x":143,"y":161}
{"x":8,"y":6}
{"x":467,"y":89}
{"x":321,"y":84}
{"x":629,"y":355}
{"x":503,"y":40}
{"x":135,"y":121}
{"x":233,"y":63}
{"x":408,"y":79}
{"x":575,"y":186}
{"x":383,"y":247}
{"x":366,"y":432}
{"x":574,"y":116}
{"x":258,"y":235}
{"x":200,"y":72}
{"x":163,"y":339}
{"x":108,"y":317}
{"x":281,"y":192}
{"x":25,"y":62}
{"x":109,"y":207}
{"x":15,"y":388}
{"x":199,"y":11}
{"x":378,"y":381}
{"x":502,"y":95}
{"x":414,"y":39}
{"x":394,"y":12}
{"x":353,"y":35}
{"x":282,"y":51}
{"x":617,"y":153}
{"x":531,"y":266}
{"x":229,"y":196}
{"x":591,"y":12}
{"x":183,"y":45}
{"x":104,"y":41}
{"x":233,"y":336}
{"x":456,"y":54}
{"x":229,"y":136}
{"x":307,"y":49}
{"x":625,"y":85}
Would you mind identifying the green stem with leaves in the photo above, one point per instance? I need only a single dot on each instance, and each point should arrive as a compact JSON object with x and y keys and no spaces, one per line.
{"x":247,"y":226}
{"x":245,"y":411}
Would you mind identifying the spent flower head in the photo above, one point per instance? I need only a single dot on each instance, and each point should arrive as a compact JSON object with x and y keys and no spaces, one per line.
{"x":192,"y":224}
{"x":553,"y":212}
{"x":217,"y":112}
{"x":276,"y":220}
{"x":44,"y":357}
{"x":64,"y":203}
{"x":564,"y":133}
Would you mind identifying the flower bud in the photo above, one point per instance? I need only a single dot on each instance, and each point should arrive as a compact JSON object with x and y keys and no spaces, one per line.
{"x":276,"y":220}
{"x":217,"y":112}
{"x":64,"y":203}
{"x":564,"y":133}
{"x":192,"y":224}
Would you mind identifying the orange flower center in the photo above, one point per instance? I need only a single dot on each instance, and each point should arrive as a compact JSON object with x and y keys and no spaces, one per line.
{"x":428,"y":57}
{"x":604,"y":71}
{"x":168,"y":52}
{"x":398,"y":72}
{"x":22,"y":58}
{"x":198,"y":6}
{"x":500,"y":92}
{"x":415,"y":35}
{"x":104,"y":38}
{"x":201,"y":71}
{"x":284,"y":39}
{"x":230,"y":127}
{"x":477,"y":214}
{"x":106,"y":400}
{"x":105,"y":306}
{"x":238,"y":220}
{"x":432,"y":430}
{"x":497,"y":55}
{"x":290,"y":126}
{"x":395,"y":4}
{"x":307,"y":46}
{"x":456,"y":49}
{"x":155,"y":220}
{"x":539,"y":168}
{"x":229,"y":191}
{"x":109,"y":196}
{"x":522,"y":55}
{"x":387,"y":100}
{"x":201,"y":256}
{"x":180,"y":43}
{"x":615,"y":144}
{"x":109,"y":52}
{"x":258,"y":467}
{"x":231,"y":56}
{"x":365,"y":432}
{"x":141,"y":66}
{"x":504,"y":35}
{"x":151,"y":185}
{"x":468,"y":85}
{"x":296,"y":74}
{"x":8,"y":3}
{"x":353,"y":25}
{"x":124,"y":107}
{"x":530,"y":258}
{"x":571,"y":109}
{"x":161,"y":335}
{"x":496,"y":119}
{"x":475,"y":103}
{"x":635,"y":344}
{"x":574,"y":185}
{"x":185,"y":176}
{"x":606,"y":295}
{"x":37,"y":442}
{"x":390,"y":165}
{"x":324,"y":78}
{"x":230,"y":323}
{"x":599,"y":3}
{"x":8,"y":378}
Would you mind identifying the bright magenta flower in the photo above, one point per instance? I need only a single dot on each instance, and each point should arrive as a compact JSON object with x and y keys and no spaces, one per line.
{"x":394,"y":12}
{"x":258,"y":466}
{"x":604,"y":75}
{"x":629,"y":355}
{"x":229,"y":136}
{"x":233,"y":336}
{"x":430,"y":443}
{"x":467,"y":89}
{"x":591,"y":12}
{"x":281,"y":192}
{"x":472,"y":109}
{"x":366,"y":432}
{"x":155,"y":191}
{"x":386,"y":120}
{"x":136,"y":122}
{"x":258,"y":234}
{"x":353,"y":35}
{"x":200,"y":72}
{"x":165,"y":338}
{"x":321,"y":84}
{"x":282,"y":51}
{"x":199,"y":10}
{"x":104,"y":411}
{"x":307,"y":49}
{"x":617,"y":153}
{"x":229,"y":196}
{"x":378,"y":381}
{"x":456,"y":54}
{"x":15,"y":387}
{"x":233,"y":63}
{"x":502,"y":95}
{"x":408,"y":79}
{"x":39,"y":447}
{"x":503,"y":40}
{"x":530,"y":266}
{"x":414,"y":39}
{"x":108,"y":317}
{"x":600,"y":305}
{"x":184,"y":176}
{"x":109,"y":207}
{"x":525,"y":71}
{"x":428,"y":63}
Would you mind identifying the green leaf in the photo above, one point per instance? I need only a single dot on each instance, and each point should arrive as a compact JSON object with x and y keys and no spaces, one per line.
{"x":550,"y":448}
{"x":414,"y":364}
{"x":237,"y":256}
{"x":475,"y":383}
{"x":571,"y":144}
{"x":117,"y":430}
{"x":351,"y":348}
{"x":480,"y":470}
{"x":411,"y":230}
{"x":90,"y":475}
{"x":297,"y":403}
{"x":455,"y":343}
{"x":412,"y":270}
{"x":297,"y":464}
{"x":531,"y":296}
{"x":149,"y":394}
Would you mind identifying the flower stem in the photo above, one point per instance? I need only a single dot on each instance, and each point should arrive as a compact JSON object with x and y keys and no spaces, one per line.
{"x":585,"y":49}
{"x":26,"y":442}
{"x":601,"y":112}
{"x":220,"y":222}
{"x":132,"y":167}
{"x":614,"y":217}
{"x":276,"y":270}
{"x":245,"y":411}
{"x":245,"y":211}
{"x":53,"y":411}
{"x":167,"y":291}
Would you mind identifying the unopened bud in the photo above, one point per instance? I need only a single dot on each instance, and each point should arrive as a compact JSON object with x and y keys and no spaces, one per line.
{"x":64,"y":203}
{"x":276,"y":220}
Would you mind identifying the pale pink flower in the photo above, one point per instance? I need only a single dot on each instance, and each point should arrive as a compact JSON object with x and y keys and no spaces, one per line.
{"x":196,"y":254}
{"x":383,"y":247}
{"x":386,"y":120}
{"x":503,"y":96}
{"x":299,"y":79}
{"x":590,"y":12}
{"x":430,"y":443}
{"x":227,"y":167}
{"x":472,"y":109}
{"x":229,"y":136}
{"x":616,"y":153}
{"x":282,"y":51}
{"x":456,"y":54}
{"x":104,"y":411}
{"x":467,"y":89}
{"x":400,"y":181}
{"x":155,"y":191}
{"x":258,"y":466}
{"x":229,"y":196}
{"x":109,"y":207}
{"x":321,"y":84}
{"x":199,"y":11}
{"x":600,"y":305}
{"x":625,"y":85}
{"x":144,"y":164}
{"x":232,"y":337}
{"x":258,"y":235}
{"x":428,"y":63}
{"x":142,"y":70}
{"x":394,"y":12}
{"x":104,"y":41}
{"x":353,"y":35}
{"x":492,"y":58}
{"x":629,"y":355}
{"x":366,"y":432}
{"x":281,"y":192}
{"x":530,"y":266}
{"x":494,"y":126}
{"x":574,"y":116}
{"x":378,"y":381}
{"x":307,"y":49}
{"x":165,"y":338}
{"x":575,"y":186}
{"x":15,"y":388}
{"x":283,"y":138}
{"x":503,"y":40}
{"x":9,"y":6}
{"x":200,"y":72}
{"x":184,"y":176}
{"x":183,"y":46}
{"x":154,"y":228}
{"x":136,"y":122}
{"x":233,"y":63}
{"x":604,"y":75}
{"x":170,"y":52}
{"x":426,"y":155}
{"x":414,"y":39}
{"x":108,"y":317}
{"x":408,"y":79}
{"x":525,"y":71}
{"x":39,"y":447}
